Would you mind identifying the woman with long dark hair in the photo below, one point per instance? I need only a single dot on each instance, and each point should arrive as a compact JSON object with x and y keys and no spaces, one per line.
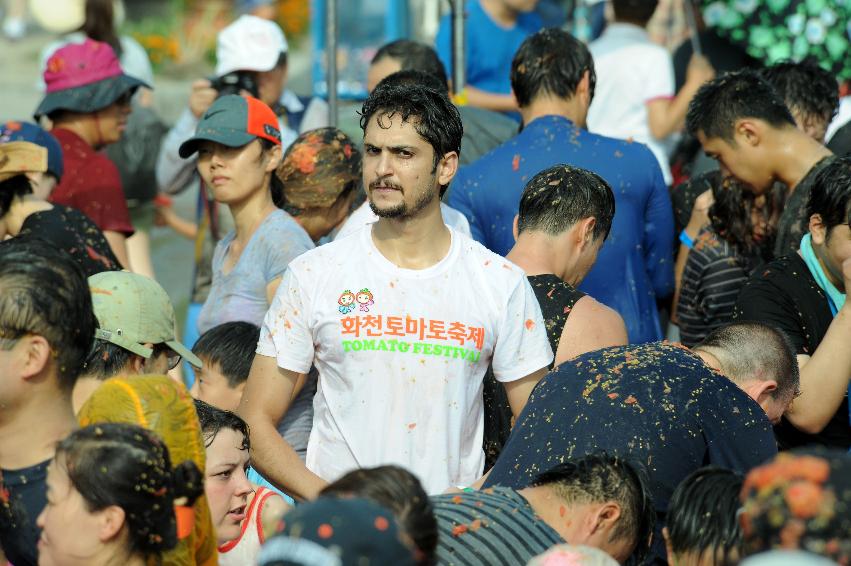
{"x":738,"y":240}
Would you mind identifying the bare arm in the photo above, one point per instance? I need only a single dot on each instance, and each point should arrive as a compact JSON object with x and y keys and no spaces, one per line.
{"x":268,"y":393}
{"x":666,"y":116}
{"x":118,"y":242}
{"x":698,"y":220}
{"x":519,"y":390}
{"x":590,"y":326}
{"x":825,"y":374}
{"x":166,"y":216}
{"x":490,"y":101}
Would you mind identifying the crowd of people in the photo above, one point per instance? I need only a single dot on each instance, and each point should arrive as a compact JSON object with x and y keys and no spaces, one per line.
{"x":441,"y":343}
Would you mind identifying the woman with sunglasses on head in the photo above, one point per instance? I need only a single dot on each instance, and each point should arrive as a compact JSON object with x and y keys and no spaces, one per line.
{"x":111,"y":496}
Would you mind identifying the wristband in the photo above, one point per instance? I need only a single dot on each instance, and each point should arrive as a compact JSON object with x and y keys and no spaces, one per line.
{"x":686,"y":240}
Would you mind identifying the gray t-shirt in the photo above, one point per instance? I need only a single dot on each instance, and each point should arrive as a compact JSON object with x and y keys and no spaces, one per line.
{"x":240,"y":295}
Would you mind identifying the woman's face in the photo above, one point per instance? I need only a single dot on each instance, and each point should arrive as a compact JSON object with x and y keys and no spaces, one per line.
{"x":70,"y":534}
{"x":235,"y":174}
{"x":226,"y":485}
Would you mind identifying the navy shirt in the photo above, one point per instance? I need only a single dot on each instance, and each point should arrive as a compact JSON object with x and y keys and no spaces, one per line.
{"x":634,"y":266}
{"x":656,"y":404}
{"x":28,"y":496}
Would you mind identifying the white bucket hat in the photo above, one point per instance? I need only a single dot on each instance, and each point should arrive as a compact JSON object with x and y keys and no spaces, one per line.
{"x":249,"y":44}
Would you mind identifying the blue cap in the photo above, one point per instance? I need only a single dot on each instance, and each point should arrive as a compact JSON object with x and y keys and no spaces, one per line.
{"x":28,"y":132}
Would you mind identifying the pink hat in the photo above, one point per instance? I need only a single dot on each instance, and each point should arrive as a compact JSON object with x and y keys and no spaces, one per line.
{"x":84,"y":77}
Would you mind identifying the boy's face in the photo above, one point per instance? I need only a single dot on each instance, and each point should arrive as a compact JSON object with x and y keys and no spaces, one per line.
{"x":212,"y":387}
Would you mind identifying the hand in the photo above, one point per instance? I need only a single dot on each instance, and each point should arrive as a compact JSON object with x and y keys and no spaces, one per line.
{"x":700,"y":213}
{"x":202,"y":97}
{"x":699,"y":70}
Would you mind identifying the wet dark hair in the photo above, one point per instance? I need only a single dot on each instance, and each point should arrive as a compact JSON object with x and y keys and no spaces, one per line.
{"x":17,"y":186}
{"x":129,"y":467}
{"x":600,"y":477}
{"x":414,"y":56}
{"x":213,"y":420}
{"x":807,"y":89}
{"x":830,"y":195}
{"x":636,"y":12}
{"x":559,"y":197}
{"x":703,"y":515}
{"x":730,"y":217}
{"x":44,"y":292}
{"x":275,"y":184}
{"x":399,"y":491}
{"x":734,"y":96}
{"x":230,"y":346}
{"x":99,"y":24}
{"x":414,"y":77}
{"x":753,"y":350}
{"x":429,"y":111}
{"x":550,"y":62}
{"x":106,"y":360}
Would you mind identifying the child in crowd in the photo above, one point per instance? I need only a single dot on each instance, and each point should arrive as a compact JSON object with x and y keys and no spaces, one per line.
{"x":242,"y":515}
{"x":226,"y":352}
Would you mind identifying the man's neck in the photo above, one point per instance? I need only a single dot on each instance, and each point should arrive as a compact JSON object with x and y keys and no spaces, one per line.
{"x":500,"y":13}
{"x":28,"y":435}
{"x":413,"y":243}
{"x":552,"y":509}
{"x":572,"y":108}
{"x":796,"y":153}
{"x":533,"y":254}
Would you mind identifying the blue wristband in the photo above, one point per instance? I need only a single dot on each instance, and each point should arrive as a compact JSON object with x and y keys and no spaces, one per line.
{"x":686,"y":240}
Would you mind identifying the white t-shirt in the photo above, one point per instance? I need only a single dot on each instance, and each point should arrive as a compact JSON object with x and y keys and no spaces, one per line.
{"x":364,"y":215}
{"x":631,"y":71}
{"x":402,"y":353}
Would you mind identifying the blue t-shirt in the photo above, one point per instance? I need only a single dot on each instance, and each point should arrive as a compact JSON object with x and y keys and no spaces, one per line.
{"x":489,"y":47}
{"x":657,"y":404}
{"x":635,"y":264}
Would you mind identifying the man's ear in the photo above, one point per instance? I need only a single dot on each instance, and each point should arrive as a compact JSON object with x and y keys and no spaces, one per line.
{"x":760,"y":390}
{"x":606,"y":516}
{"x":749,"y":132}
{"x":515,"y":227}
{"x":37,"y":355}
{"x":446,"y":168}
{"x":586,"y":231}
{"x":110,"y":522}
{"x":668,"y":547}
{"x":818,"y":231}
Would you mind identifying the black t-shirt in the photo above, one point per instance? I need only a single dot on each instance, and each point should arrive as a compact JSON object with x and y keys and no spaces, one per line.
{"x":72,"y":231}
{"x":656,"y":404}
{"x":785,"y":295}
{"x":27,"y":496}
{"x":556,"y":299}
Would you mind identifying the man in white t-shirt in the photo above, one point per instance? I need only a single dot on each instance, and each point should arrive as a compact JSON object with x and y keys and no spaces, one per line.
{"x":401,"y":319}
{"x":634,"y":95}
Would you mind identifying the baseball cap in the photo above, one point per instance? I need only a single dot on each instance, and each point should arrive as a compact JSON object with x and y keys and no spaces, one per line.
{"x":133,"y":310}
{"x":17,"y":158}
{"x":318,"y":167}
{"x":332,"y":531}
{"x":25,"y":131}
{"x":234,"y":121}
{"x":249,"y":44}
{"x":84,"y":77}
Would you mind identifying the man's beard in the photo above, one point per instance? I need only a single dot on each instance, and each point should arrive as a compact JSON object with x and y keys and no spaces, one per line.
{"x":401,"y":211}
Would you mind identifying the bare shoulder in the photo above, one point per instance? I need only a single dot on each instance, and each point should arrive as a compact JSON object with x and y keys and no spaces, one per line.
{"x":590,"y":326}
{"x":273,"y":510}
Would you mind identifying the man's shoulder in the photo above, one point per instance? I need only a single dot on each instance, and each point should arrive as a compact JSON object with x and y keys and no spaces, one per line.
{"x":476,"y":254}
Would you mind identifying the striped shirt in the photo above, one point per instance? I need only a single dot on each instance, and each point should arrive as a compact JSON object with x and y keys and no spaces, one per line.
{"x":713,"y":276}
{"x":491,"y":527}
